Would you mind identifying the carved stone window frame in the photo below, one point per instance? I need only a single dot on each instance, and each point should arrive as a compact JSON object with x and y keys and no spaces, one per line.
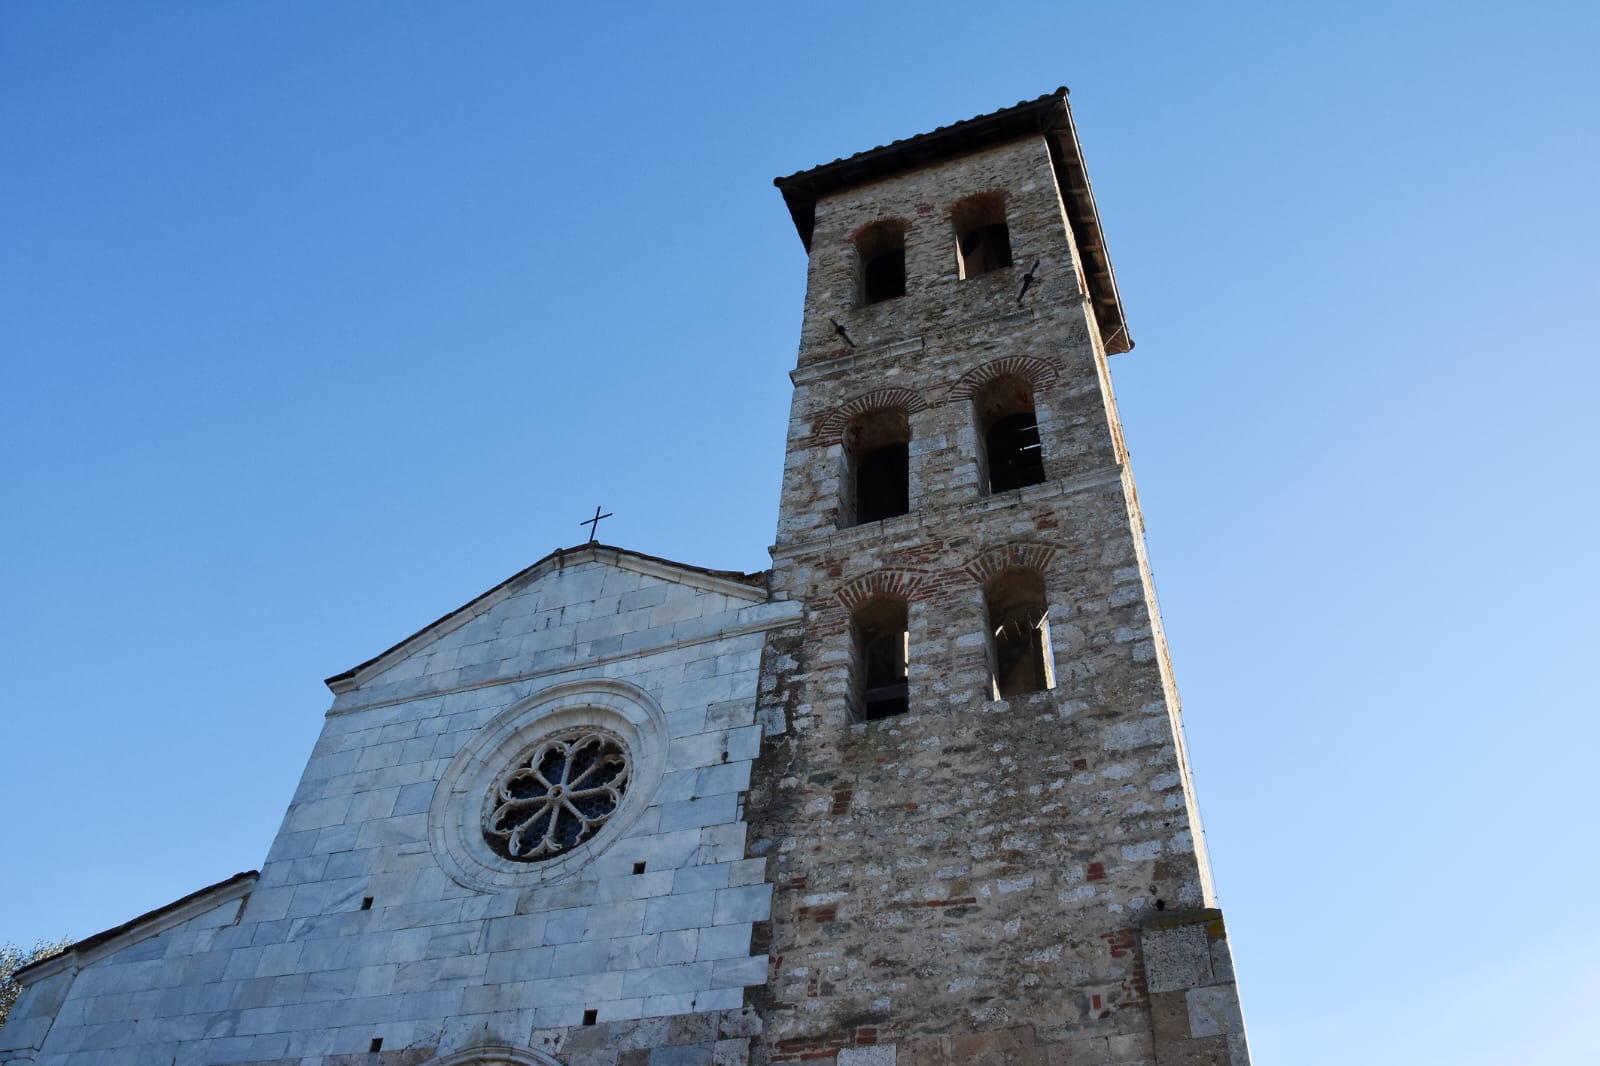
{"x":572,"y":781}
{"x":455,"y":818}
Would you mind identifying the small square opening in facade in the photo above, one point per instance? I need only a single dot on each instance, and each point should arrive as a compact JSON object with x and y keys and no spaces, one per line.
{"x":376,"y":1045}
{"x":366,"y":903}
{"x":591,"y":1016}
{"x":638,"y":868}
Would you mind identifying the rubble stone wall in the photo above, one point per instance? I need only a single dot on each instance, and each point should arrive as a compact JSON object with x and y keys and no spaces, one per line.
{"x":965,"y":882}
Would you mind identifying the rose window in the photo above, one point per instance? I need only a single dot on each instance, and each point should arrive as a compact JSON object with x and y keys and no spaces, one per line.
{"x":557,"y":795}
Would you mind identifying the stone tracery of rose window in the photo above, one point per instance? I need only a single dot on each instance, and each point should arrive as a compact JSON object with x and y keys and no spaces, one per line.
{"x":557,"y":795}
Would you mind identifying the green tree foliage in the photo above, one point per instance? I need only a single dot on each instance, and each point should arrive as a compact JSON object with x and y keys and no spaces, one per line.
{"x":13,"y":958}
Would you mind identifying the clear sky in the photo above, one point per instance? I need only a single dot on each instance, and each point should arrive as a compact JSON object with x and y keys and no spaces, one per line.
{"x":318,"y":319}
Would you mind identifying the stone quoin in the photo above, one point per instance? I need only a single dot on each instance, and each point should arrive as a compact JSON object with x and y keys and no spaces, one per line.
{"x":915,"y":796}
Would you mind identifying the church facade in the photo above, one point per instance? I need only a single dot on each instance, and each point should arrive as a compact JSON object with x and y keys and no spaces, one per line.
{"x":917,"y":795}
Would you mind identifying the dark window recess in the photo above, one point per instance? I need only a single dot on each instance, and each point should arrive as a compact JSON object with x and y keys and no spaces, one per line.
{"x":985,"y":248}
{"x":883,"y":483}
{"x":881,"y":248}
{"x":366,"y":903}
{"x":1019,"y":632}
{"x":638,"y":868}
{"x":1019,"y":652}
{"x":883,"y":646}
{"x":877,"y":479}
{"x":376,"y":1045}
{"x":591,"y":1016}
{"x":983,"y":241}
{"x":1015,"y":460}
{"x":1009,"y":427}
{"x":883,"y":276}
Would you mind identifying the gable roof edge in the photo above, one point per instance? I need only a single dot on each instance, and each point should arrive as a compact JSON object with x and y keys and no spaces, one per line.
{"x":747,"y":586}
{"x":151,"y":923}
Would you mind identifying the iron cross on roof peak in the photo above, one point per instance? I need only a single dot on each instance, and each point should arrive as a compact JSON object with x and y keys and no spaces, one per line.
{"x":594,"y":523}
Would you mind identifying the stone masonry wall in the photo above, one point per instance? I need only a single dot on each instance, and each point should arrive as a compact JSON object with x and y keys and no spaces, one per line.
{"x":356,"y":932}
{"x":965,"y":882}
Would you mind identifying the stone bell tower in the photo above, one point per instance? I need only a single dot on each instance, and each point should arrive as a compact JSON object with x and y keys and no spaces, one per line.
{"x":973,"y":795}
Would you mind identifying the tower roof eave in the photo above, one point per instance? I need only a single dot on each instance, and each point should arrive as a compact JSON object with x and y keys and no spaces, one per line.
{"x":1049,"y":116}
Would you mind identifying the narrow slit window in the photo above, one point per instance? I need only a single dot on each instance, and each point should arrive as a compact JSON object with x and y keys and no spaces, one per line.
{"x":1012,"y":454}
{"x":1019,"y":634}
{"x":881,"y":248}
{"x":878,"y":479}
{"x":882,"y":659}
{"x":983,"y":240}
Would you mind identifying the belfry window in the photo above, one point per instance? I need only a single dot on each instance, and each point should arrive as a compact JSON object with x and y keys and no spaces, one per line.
{"x":878,"y":477}
{"x":983,"y":242}
{"x":881,"y":248}
{"x":882,"y":655}
{"x":1012,"y":455}
{"x":1019,"y":633}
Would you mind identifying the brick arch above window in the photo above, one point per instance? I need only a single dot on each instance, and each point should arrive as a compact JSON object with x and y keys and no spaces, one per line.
{"x":890,"y":227}
{"x":1037,"y":372}
{"x":494,"y":1055}
{"x":829,"y":428}
{"x":981,"y":568}
{"x":903,"y":584}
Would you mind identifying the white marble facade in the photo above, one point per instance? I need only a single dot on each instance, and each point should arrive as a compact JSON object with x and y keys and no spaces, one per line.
{"x":379,"y":913}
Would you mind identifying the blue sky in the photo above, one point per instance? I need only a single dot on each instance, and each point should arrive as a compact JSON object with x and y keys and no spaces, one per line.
{"x":316,"y":320}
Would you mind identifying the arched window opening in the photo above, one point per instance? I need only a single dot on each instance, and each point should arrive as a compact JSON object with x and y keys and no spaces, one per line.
{"x":1012,"y":454}
{"x":879,"y":480}
{"x":1019,"y":633}
{"x":983,"y":242}
{"x":882,"y":250}
{"x":882,"y":655}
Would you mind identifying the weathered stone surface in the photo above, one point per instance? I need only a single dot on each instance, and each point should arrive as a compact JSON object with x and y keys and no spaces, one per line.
{"x":1177,"y":958}
{"x":1210,"y":1051}
{"x":1214,"y":1011}
{"x":1001,"y":1047}
{"x":1169,"y":1016}
{"x":973,"y":863}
